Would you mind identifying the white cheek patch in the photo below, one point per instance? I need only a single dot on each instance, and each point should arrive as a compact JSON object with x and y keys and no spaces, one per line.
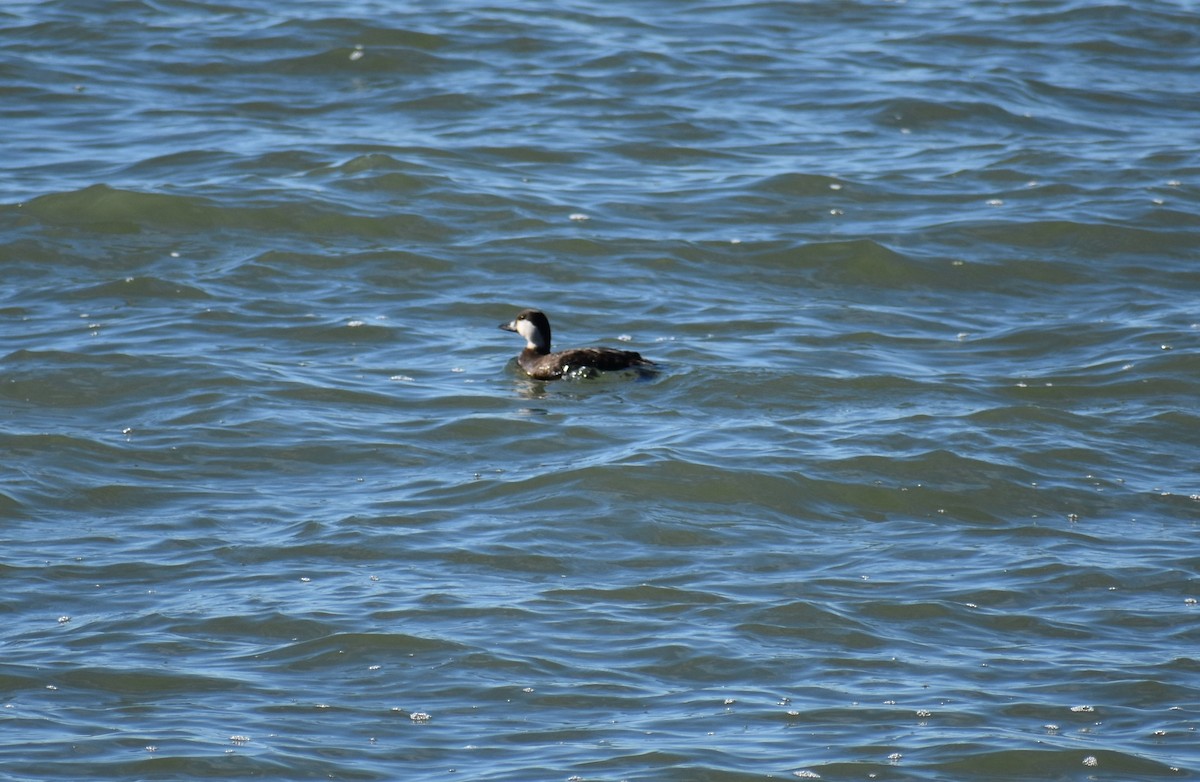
{"x":526,"y":330}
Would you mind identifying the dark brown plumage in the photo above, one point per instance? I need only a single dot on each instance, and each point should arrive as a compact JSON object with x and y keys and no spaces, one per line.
{"x":539,"y":363}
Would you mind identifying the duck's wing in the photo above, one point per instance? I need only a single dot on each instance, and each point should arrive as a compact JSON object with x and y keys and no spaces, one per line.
{"x":603,"y":358}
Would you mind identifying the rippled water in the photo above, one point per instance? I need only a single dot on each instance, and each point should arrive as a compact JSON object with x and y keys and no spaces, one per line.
{"x":914,"y":496}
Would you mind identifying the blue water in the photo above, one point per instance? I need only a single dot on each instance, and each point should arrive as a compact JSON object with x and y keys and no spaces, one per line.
{"x":914,"y":495}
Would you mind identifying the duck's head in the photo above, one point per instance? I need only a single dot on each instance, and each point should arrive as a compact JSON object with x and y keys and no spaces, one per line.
{"x":534,"y":326}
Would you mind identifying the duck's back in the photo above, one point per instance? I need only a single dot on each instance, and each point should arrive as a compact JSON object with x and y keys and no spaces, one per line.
{"x":554,"y":365}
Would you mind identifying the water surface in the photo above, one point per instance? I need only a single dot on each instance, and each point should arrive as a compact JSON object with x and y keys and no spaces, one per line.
{"x":913,"y":497}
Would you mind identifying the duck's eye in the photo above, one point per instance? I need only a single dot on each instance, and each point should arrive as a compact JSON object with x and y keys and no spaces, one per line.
{"x":520,"y":317}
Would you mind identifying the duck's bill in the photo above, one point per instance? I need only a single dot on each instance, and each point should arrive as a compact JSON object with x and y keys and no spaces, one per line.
{"x":510,"y":326}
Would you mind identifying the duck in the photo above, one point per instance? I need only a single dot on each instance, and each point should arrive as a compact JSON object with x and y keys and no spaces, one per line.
{"x":539,"y":363}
